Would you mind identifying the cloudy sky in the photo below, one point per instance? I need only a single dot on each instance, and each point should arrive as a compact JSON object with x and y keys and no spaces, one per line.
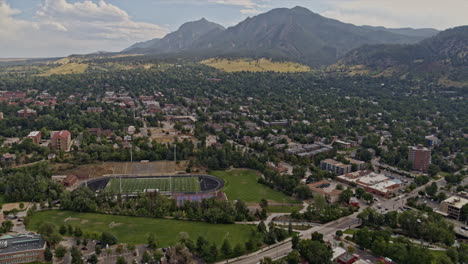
{"x":46,"y":28}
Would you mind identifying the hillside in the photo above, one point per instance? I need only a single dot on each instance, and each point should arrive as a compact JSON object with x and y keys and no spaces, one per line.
{"x":295,"y":34}
{"x":444,"y":54}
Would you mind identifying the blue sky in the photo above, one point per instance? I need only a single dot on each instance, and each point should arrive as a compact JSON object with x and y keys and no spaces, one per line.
{"x":44,"y":28}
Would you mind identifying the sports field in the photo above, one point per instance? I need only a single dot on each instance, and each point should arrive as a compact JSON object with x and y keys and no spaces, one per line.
{"x":162,"y":184}
{"x":134,"y":230}
{"x":243,"y":185}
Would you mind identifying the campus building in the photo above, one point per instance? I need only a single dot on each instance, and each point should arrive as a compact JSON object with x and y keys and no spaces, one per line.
{"x":61,"y":140}
{"x":35,"y":136}
{"x":335,"y":166}
{"x":452,"y":206}
{"x":26,"y":112}
{"x":326,"y":189}
{"x":22,"y":249}
{"x":420,"y":157}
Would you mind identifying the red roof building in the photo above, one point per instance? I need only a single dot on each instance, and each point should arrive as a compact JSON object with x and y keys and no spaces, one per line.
{"x":61,"y":140}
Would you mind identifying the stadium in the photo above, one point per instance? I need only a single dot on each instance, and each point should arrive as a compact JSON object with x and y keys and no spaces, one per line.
{"x":181,"y":187}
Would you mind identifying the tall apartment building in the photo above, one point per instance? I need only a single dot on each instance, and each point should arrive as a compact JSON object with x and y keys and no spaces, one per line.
{"x":334,"y":166}
{"x":22,"y":249}
{"x":61,"y":140}
{"x":420,"y":157}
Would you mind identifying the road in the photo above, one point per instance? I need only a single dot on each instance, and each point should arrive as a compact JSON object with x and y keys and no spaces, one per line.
{"x":281,"y":249}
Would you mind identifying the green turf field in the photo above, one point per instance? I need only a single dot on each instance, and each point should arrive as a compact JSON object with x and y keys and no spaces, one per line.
{"x":179,"y":184}
{"x":134,"y":230}
{"x":243,"y":185}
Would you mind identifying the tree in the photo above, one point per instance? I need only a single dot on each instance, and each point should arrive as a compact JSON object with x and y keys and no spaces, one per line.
{"x":146,"y":258}
{"x":339,"y":233}
{"x":263,"y":203}
{"x":431,"y":190}
{"x":152,"y":243}
{"x":60,"y":252}
{"x":48,"y":254}
{"x":93,"y":259}
{"x":108,"y":239}
{"x":63,"y":230}
{"x":76,"y":256}
{"x":78,"y":232}
{"x":315,"y":251}
{"x":226,"y":248}
{"x":295,"y":241}
{"x":346,"y":195}
{"x":121,"y":260}
{"x":293,"y":257}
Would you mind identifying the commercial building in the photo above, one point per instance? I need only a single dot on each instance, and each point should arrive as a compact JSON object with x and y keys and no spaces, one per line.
{"x":452,"y":206}
{"x":420,"y":157}
{"x":326,"y":189}
{"x":335,"y":166}
{"x":22,"y":249}
{"x":374,"y":183}
{"x":35,"y":136}
{"x":61,"y":140}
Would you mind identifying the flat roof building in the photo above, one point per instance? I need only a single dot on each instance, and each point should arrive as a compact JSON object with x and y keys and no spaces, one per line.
{"x":326,"y":189}
{"x":335,"y":166}
{"x":452,"y":206}
{"x":22,"y":249}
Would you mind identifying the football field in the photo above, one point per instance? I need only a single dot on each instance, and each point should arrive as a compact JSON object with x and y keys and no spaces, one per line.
{"x":161,"y":184}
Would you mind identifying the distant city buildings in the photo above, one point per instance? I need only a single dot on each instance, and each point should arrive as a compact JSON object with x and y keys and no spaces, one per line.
{"x":420,"y":157}
{"x":22,"y":249}
{"x":61,"y":140}
{"x":335,"y":166}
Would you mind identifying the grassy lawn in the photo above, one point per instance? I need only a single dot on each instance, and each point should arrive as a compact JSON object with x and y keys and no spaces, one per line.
{"x":177,"y":184}
{"x":261,"y":65}
{"x":350,"y":231}
{"x":243,"y":185}
{"x":134,"y":230}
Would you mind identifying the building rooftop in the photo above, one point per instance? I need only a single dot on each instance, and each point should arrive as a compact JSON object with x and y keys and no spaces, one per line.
{"x":456,"y":201}
{"x":373,"y":178}
{"x":419,"y":147}
{"x":34,"y":133}
{"x":61,"y":134}
{"x":18,"y":243}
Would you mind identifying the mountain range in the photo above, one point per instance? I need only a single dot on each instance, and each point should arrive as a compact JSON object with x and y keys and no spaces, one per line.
{"x":295,"y":34}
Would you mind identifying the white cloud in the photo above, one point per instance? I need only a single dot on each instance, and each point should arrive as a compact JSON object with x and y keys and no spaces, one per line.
{"x":61,"y":28}
{"x":400,"y":13}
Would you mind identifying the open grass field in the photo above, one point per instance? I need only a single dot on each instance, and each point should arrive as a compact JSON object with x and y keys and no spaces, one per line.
{"x":243,"y":185}
{"x":69,"y":68}
{"x":179,"y":184}
{"x":134,"y":230}
{"x":261,"y":65}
